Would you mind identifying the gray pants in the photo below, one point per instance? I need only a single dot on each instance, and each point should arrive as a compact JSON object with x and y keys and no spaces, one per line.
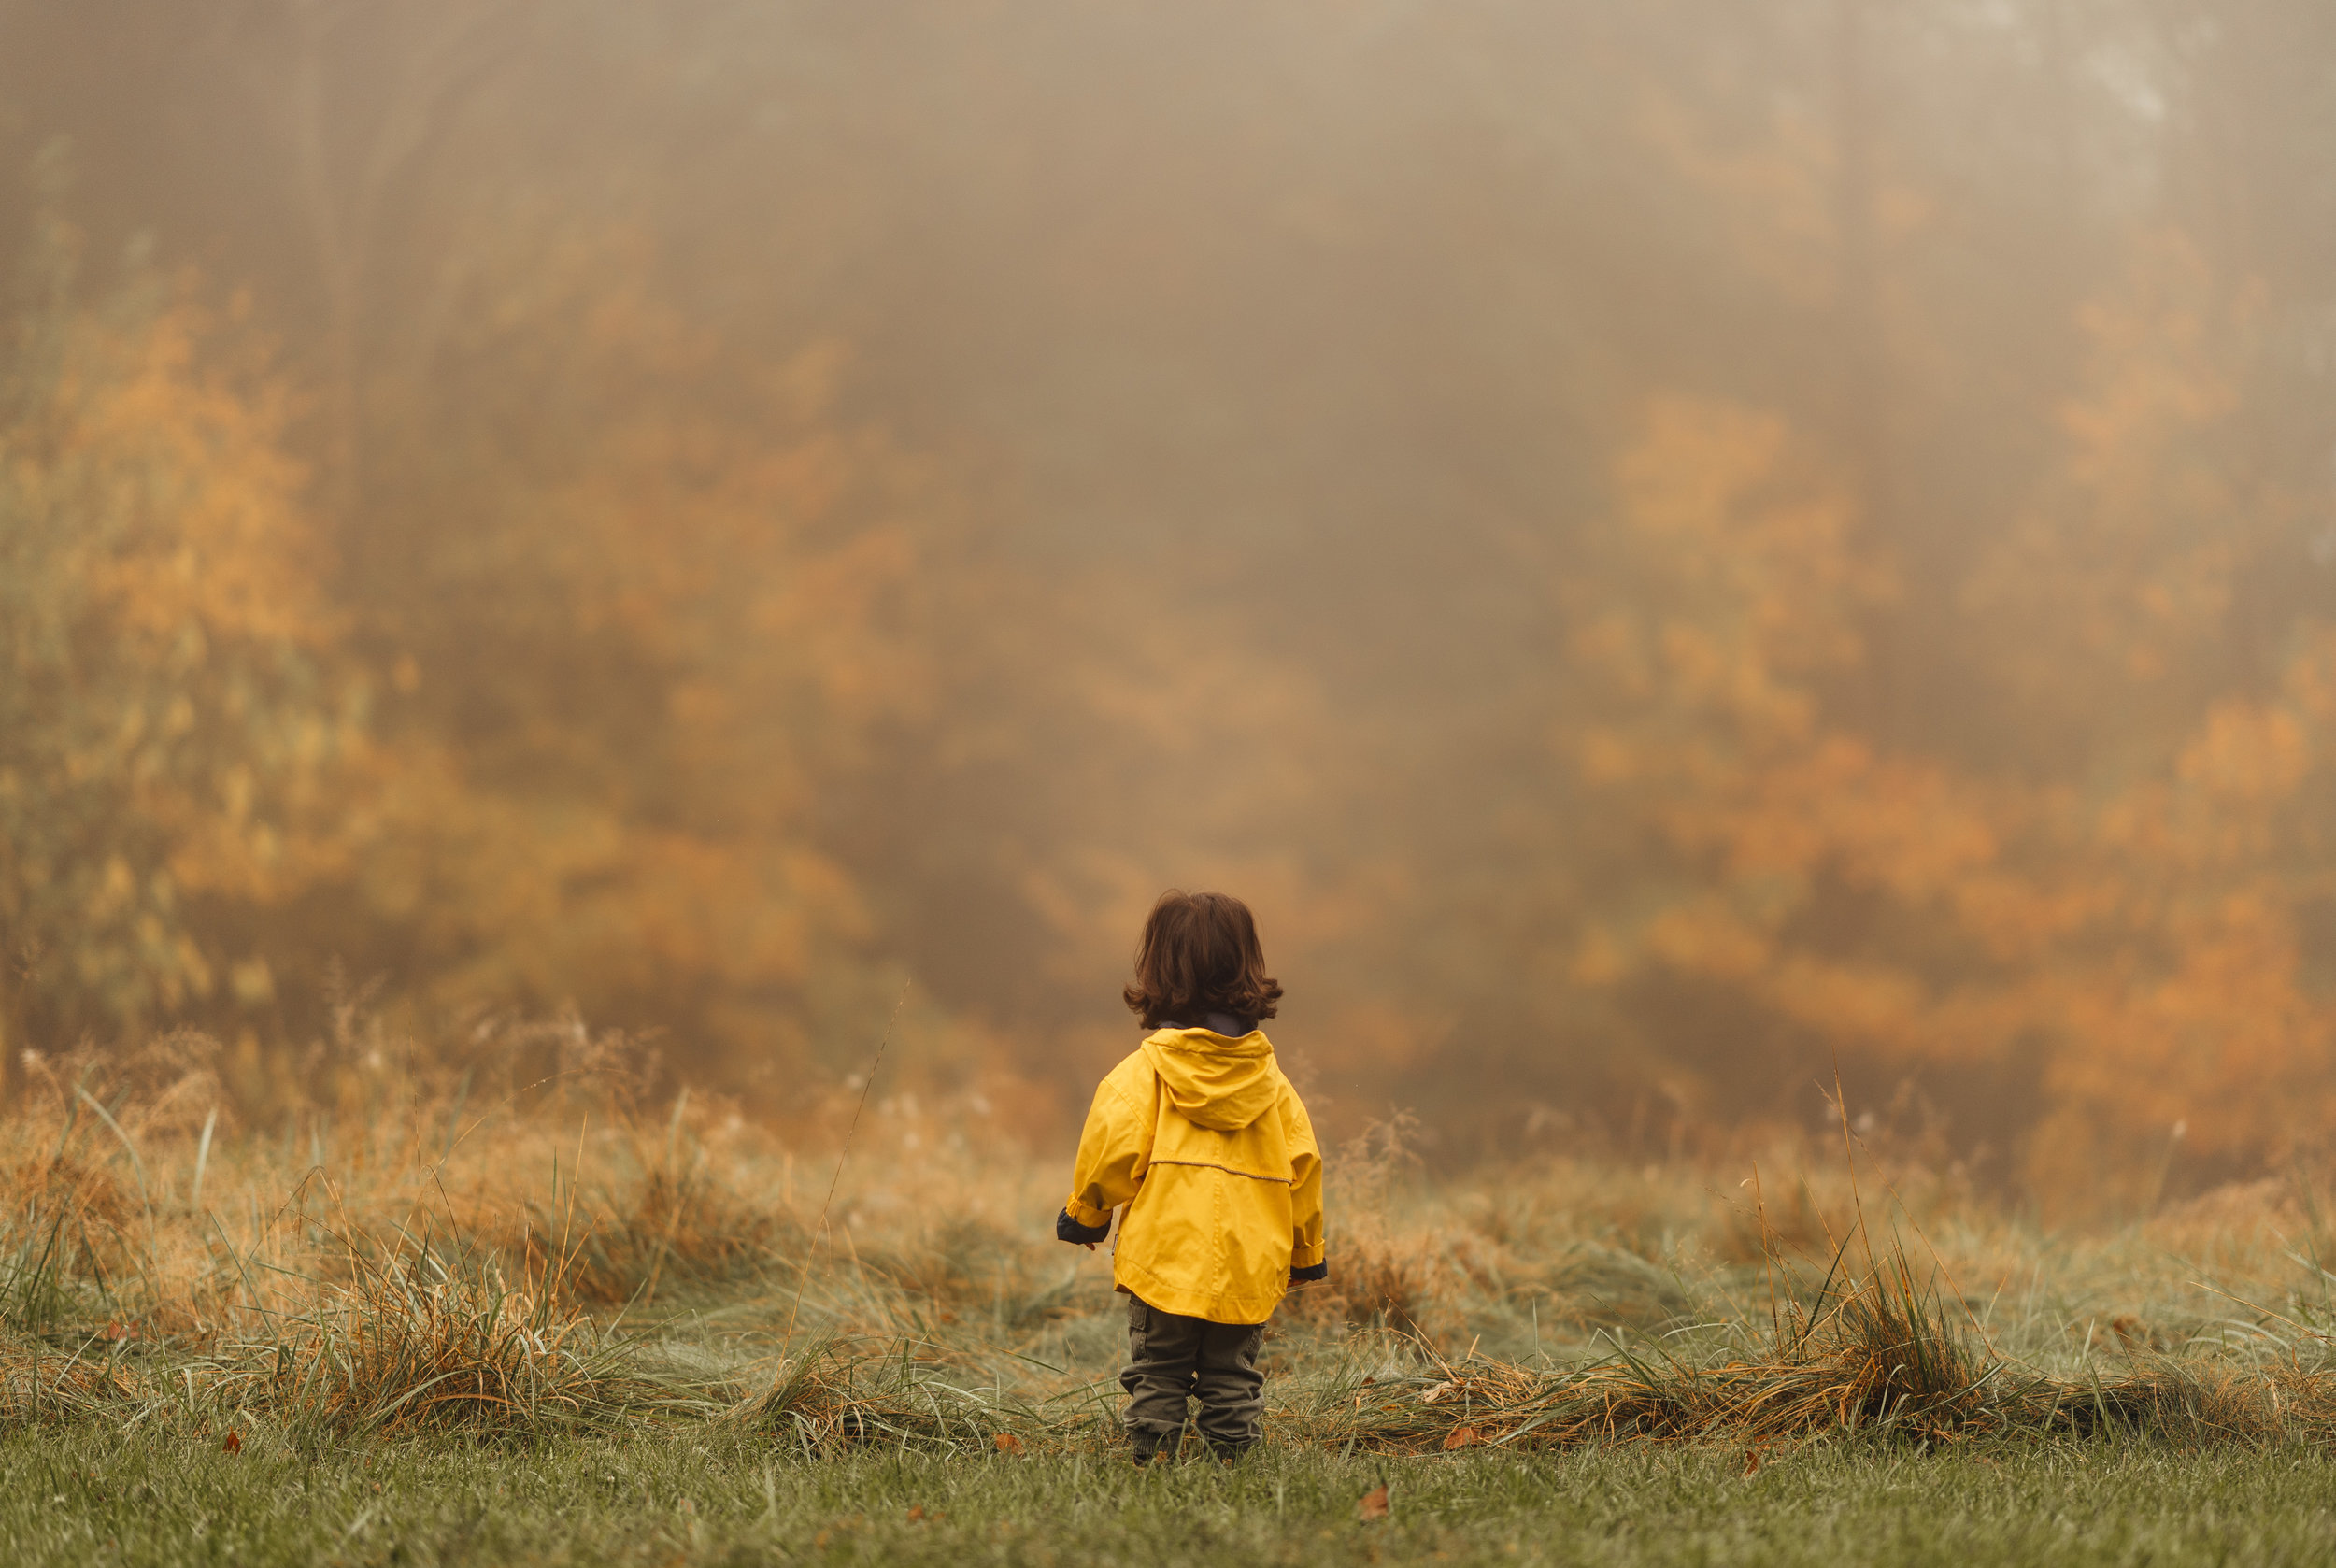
{"x":1172,"y":1359}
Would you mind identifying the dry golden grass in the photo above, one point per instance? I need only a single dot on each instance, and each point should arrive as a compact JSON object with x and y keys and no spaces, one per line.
{"x":516,"y":1243}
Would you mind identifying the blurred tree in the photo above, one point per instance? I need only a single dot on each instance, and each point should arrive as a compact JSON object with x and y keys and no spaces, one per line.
{"x":2182,"y":781}
{"x":630,"y":639}
{"x":2104,"y":607}
{"x":1277,"y":360}
{"x":646,"y":609}
{"x":1768,"y":883}
{"x":175,"y":712}
{"x":2122,"y":928}
{"x":351,"y":139}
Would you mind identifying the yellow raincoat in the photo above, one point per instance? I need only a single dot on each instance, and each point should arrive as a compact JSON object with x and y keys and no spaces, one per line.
{"x":1207,"y":1144}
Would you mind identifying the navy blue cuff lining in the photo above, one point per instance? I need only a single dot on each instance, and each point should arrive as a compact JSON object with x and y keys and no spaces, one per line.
{"x":1068,"y":1229}
{"x":1311,"y":1271}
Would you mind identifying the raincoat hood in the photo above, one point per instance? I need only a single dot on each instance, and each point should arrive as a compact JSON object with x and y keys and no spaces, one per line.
{"x":1214,"y":1080}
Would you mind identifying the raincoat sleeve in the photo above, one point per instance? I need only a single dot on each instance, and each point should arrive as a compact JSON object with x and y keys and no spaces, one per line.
{"x":1306,"y":1246}
{"x":1115,"y":1150}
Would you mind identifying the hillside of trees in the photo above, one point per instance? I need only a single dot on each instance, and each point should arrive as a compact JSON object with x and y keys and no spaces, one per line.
{"x":1669,"y":547}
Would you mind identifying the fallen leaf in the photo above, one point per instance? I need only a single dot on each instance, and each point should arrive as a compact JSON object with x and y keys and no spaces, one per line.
{"x":1374,"y":1504}
{"x":233,"y":1443}
{"x":1009,"y":1444}
{"x":1438,"y":1392}
{"x":1751,"y":1461}
{"x":920,"y":1516}
{"x":116,"y":1330}
{"x":1460,"y":1438}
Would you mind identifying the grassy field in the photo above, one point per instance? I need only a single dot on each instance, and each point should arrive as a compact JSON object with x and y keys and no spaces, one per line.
{"x":98,"y":1496}
{"x":514,"y":1312}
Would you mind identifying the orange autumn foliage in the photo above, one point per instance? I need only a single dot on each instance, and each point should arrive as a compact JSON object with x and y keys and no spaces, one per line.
{"x":666,"y":685}
{"x":172,"y":719}
{"x":572,"y":767}
{"x":2120,"y":928}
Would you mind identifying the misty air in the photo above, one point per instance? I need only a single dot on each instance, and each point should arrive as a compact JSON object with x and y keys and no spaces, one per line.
{"x":1175,"y":783}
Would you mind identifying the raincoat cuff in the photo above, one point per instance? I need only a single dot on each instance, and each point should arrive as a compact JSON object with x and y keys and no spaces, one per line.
{"x":1068,"y":1229}
{"x":1307,"y":1257}
{"x":1091,"y":1218}
{"x":1308,"y":1274}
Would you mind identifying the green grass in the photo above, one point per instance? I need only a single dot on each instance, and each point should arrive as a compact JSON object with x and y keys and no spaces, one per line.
{"x":87,"y":1495}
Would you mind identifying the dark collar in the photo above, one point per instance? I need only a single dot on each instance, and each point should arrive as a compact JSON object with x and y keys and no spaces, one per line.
{"x":1231,"y":1027}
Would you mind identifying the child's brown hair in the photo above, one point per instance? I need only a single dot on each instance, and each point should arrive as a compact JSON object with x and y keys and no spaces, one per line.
{"x":1200,"y":955}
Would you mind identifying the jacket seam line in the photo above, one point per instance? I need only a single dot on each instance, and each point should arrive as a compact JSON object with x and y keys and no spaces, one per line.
{"x":1212,"y":1165}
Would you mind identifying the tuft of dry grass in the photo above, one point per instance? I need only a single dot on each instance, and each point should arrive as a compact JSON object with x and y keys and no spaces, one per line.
{"x":1879,"y":1357}
{"x":43,"y":1383}
{"x":415,"y":1345}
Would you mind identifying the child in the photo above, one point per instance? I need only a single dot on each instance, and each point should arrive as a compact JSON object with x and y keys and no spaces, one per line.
{"x":1206,"y":1144}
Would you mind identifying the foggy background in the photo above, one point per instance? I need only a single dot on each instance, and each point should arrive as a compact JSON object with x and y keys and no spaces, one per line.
{"x":1662,"y":544}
